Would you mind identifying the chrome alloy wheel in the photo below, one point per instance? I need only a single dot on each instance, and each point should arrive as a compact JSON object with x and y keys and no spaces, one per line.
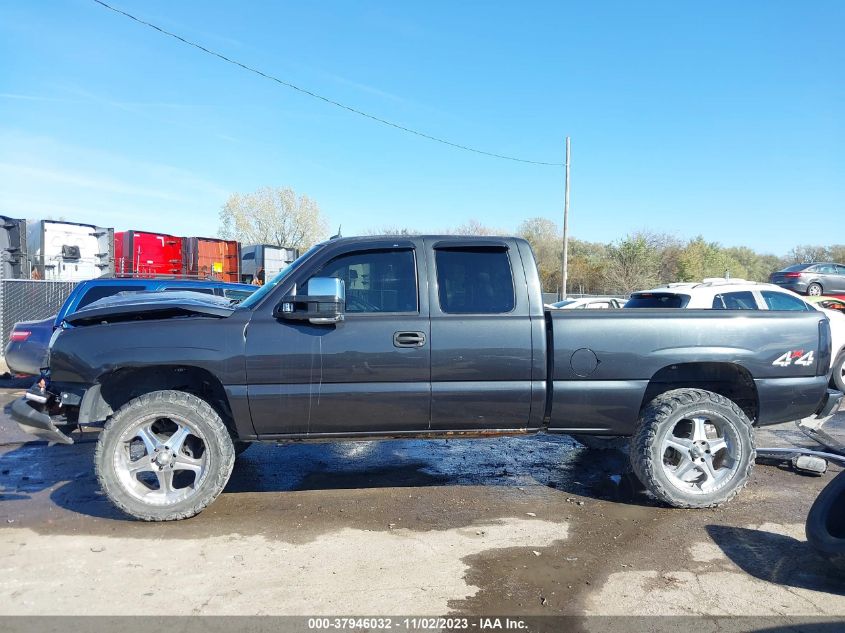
{"x":701,"y":453}
{"x":161,"y":460}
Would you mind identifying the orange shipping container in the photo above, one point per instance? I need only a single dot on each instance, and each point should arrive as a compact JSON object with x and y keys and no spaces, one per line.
{"x":210,"y":258}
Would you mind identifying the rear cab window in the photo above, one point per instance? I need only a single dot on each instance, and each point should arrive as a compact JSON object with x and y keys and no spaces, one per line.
{"x":474,"y":280}
{"x":657,"y":300}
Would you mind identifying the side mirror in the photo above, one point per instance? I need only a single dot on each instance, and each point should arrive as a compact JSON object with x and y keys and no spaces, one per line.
{"x":323,"y":303}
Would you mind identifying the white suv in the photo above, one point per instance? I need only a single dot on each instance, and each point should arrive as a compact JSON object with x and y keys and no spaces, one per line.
{"x":739,"y":294}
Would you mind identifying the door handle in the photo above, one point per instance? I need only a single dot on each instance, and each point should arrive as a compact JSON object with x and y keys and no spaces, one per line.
{"x":408,"y":339}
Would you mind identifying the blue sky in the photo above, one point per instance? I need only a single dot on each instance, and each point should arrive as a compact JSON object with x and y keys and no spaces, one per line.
{"x":725,"y":119}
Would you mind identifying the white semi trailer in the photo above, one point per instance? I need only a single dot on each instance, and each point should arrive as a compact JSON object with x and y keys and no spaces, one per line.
{"x":69,"y":251}
{"x":264,"y":256}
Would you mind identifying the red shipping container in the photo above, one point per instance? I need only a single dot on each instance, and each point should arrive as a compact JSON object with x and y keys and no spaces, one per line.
{"x":142,"y":254}
{"x":211,"y":258}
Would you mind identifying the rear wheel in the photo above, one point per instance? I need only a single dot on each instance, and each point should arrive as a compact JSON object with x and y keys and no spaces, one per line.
{"x":814,"y":290}
{"x":693,"y":448}
{"x":163,"y":456}
{"x":839,"y":371}
{"x":826,"y":522}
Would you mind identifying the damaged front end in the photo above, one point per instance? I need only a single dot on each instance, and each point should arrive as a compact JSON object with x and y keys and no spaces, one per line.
{"x":41,"y":413}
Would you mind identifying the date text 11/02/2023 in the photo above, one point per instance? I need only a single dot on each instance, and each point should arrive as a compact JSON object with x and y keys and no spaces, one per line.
{"x":416,"y":623}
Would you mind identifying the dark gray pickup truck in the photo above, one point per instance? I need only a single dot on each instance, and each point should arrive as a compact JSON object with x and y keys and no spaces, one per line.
{"x":434,"y":336}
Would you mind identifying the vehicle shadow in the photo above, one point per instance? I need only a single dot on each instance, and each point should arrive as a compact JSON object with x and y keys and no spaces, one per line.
{"x":556,"y":462}
{"x":777,"y":558}
{"x":65,"y":473}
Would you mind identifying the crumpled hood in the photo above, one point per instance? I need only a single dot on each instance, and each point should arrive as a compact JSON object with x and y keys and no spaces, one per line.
{"x":151,"y":305}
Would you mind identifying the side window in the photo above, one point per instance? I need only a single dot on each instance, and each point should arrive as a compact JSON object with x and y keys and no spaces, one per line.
{"x":782,"y":301}
{"x":101,"y":292}
{"x":598,"y":305}
{"x":840,"y":270}
{"x":376,"y":281}
{"x":474,"y":281}
{"x":734,"y":301}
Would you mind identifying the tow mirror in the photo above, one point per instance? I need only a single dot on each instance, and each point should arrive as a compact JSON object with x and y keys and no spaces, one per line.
{"x":323,"y":303}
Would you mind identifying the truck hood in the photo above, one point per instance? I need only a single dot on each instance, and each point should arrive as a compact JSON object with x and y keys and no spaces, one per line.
{"x":151,"y":305}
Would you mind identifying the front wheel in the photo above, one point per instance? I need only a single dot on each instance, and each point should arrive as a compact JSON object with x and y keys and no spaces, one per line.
{"x":693,"y":448}
{"x":163,"y":456}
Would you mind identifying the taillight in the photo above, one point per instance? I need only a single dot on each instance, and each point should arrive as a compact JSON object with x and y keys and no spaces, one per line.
{"x":824,"y":347}
{"x":16,"y":336}
{"x":792,"y":275}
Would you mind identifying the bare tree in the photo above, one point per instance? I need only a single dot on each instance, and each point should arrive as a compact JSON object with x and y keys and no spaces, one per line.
{"x":809,"y":253}
{"x":272,"y":215}
{"x":392,"y":230}
{"x":474,"y":227}
{"x":633,"y":264}
{"x":545,"y":239}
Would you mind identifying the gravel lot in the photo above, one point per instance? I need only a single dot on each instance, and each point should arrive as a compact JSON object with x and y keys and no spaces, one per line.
{"x":495,"y":526}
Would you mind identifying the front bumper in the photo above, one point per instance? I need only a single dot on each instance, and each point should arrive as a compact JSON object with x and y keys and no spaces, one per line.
{"x":33,"y":420}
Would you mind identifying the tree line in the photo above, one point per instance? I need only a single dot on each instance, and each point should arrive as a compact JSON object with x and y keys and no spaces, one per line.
{"x":638,"y":261}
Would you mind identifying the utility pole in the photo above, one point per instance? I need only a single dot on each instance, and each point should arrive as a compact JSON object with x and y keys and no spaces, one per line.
{"x":565,"y":262}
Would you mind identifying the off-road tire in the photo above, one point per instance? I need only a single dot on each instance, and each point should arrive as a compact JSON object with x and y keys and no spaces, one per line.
{"x":219,"y":447}
{"x":838,"y":379}
{"x":604,"y":442}
{"x":826,"y":522}
{"x":660,"y":415}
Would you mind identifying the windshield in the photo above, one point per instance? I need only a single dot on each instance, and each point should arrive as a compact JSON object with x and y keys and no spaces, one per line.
{"x":561,"y":304}
{"x":264,"y":290}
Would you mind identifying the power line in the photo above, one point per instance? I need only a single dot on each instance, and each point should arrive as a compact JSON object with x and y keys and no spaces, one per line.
{"x":318,"y":96}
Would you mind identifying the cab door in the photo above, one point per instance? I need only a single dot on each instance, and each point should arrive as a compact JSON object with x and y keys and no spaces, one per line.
{"x":370,"y":373}
{"x":482,"y":337}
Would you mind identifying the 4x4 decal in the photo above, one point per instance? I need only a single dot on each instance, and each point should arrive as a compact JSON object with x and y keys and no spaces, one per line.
{"x":794,"y":357}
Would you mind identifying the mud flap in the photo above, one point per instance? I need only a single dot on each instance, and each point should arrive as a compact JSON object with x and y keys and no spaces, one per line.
{"x":37,"y":423}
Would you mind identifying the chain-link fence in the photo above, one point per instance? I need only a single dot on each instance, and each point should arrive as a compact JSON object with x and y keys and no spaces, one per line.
{"x":29,"y":300}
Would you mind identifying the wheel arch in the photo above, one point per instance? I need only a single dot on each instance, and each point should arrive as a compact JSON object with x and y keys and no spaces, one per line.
{"x":730,"y":380}
{"x":116,"y":388}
